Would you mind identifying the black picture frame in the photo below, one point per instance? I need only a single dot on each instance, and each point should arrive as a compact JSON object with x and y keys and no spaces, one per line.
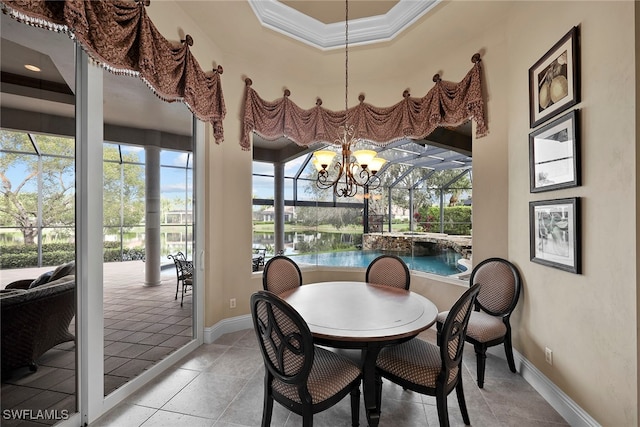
{"x":555,"y":233}
{"x":554,"y":154}
{"x":554,"y":80}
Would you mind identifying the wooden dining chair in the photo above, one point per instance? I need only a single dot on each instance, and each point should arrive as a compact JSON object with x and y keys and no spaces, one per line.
{"x":489,"y":323}
{"x":434,"y":370}
{"x":389,"y":270}
{"x":280,"y":274}
{"x":304,"y":378}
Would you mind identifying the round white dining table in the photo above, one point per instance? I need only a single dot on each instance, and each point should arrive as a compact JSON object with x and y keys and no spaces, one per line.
{"x":363,"y":316}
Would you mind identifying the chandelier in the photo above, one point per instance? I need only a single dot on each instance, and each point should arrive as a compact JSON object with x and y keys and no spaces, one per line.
{"x":353,"y":169}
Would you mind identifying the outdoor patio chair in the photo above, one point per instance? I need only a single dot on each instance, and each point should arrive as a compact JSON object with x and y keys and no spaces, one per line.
{"x":257,"y":261}
{"x":304,"y":378}
{"x":489,"y":323}
{"x":280,"y":274}
{"x":184,"y":274}
{"x":434,"y":370}
{"x":389,"y":270}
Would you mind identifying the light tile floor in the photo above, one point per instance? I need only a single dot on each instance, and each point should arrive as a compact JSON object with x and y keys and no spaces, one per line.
{"x":221,"y":385}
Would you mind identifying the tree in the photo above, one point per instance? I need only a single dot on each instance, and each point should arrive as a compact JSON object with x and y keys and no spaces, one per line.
{"x":123,"y":189}
{"x":19,"y":206}
{"x":427,"y":181}
{"x":26,"y":177}
{"x":337,"y":217}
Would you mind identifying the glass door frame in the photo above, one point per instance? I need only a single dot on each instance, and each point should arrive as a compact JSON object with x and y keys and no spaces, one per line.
{"x":89,"y":270}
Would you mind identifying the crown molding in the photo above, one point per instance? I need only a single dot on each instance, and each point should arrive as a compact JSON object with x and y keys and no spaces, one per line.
{"x":281,"y":18}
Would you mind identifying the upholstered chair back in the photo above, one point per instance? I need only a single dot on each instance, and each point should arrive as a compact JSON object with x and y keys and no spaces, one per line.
{"x":281,"y":274}
{"x":500,"y":285}
{"x":284,"y":337}
{"x":452,"y":335}
{"x":389,"y":270}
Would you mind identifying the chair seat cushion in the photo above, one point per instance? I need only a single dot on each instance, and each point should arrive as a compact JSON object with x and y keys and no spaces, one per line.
{"x":416,"y":361}
{"x":330,"y":374}
{"x":442,"y":316}
{"x":41,"y":279}
{"x":484,"y":328}
{"x":63,"y":270}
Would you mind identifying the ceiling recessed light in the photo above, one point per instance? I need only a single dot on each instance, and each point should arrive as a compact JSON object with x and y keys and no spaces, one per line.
{"x":32,"y":68}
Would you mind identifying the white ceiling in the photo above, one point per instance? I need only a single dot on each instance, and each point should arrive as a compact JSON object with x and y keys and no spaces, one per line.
{"x":321,"y":24}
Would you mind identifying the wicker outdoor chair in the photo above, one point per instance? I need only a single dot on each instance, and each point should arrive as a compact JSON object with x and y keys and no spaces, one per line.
{"x":300,"y":376}
{"x":489,"y":323}
{"x":389,"y":270}
{"x":35,"y":320}
{"x":429,"y":369}
{"x":280,"y":274}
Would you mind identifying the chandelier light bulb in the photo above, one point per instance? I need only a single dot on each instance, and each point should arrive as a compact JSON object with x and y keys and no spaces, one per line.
{"x":324,"y":158}
{"x":364,"y":157}
{"x":376,"y":164}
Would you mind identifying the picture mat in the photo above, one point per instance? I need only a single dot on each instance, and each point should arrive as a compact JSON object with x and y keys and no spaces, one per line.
{"x":555,"y":234}
{"x":566,"y":47}
{"x":554,"y":156}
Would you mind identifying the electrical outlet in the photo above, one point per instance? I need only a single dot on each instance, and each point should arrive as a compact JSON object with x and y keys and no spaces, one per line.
{"x":548,"y":355}
{"x":232,"y":303}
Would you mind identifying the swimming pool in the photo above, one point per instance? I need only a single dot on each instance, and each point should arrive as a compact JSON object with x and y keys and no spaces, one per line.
{"x":444,"y":264}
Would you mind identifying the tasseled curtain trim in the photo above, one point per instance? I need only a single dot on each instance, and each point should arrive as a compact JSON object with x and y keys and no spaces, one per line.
{"x":120,"y":37}
{"x":446,"y":104}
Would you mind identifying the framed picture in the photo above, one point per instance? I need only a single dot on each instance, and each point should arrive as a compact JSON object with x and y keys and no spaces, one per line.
{"x":554,"y":227}
{"x":554,"y":154}
{"x":554,"y":80}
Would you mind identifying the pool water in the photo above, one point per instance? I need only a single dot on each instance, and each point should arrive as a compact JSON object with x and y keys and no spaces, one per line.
{"x":444,"y":264}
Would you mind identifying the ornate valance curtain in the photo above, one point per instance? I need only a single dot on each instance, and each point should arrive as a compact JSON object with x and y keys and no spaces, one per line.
{"x":446,"y":104}
{"x":120,"y":36}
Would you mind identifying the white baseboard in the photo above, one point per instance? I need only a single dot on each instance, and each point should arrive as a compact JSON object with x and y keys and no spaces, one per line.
{"x":226,"y":326}
{"x":566,"y":407}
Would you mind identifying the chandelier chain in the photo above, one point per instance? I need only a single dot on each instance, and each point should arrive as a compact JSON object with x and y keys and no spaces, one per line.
{"x":346,"y":58}
{"x":351,"y":174}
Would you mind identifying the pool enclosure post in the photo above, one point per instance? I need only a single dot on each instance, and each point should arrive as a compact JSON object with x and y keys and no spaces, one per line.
{"x":389,"y":209}
{"x":411,"y":209}
{"x":152,"y":240}
{"x":278,"y":206}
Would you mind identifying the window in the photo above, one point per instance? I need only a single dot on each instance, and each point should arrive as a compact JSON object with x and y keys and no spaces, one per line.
{"x":424,"y":189}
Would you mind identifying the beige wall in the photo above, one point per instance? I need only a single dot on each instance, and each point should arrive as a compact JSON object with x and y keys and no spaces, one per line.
{"x":588,"y":320}
{"x":635,"y":205}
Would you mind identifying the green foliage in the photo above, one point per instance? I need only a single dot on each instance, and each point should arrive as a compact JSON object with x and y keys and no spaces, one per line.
{"x":335,"y":217}
{"x":128,"y":254}
{"x":53,"y":254}
{"x":427,"y":187}
{"x":23,"y":256}
{"x":330,"y":242}
{"x":457,"y":219}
